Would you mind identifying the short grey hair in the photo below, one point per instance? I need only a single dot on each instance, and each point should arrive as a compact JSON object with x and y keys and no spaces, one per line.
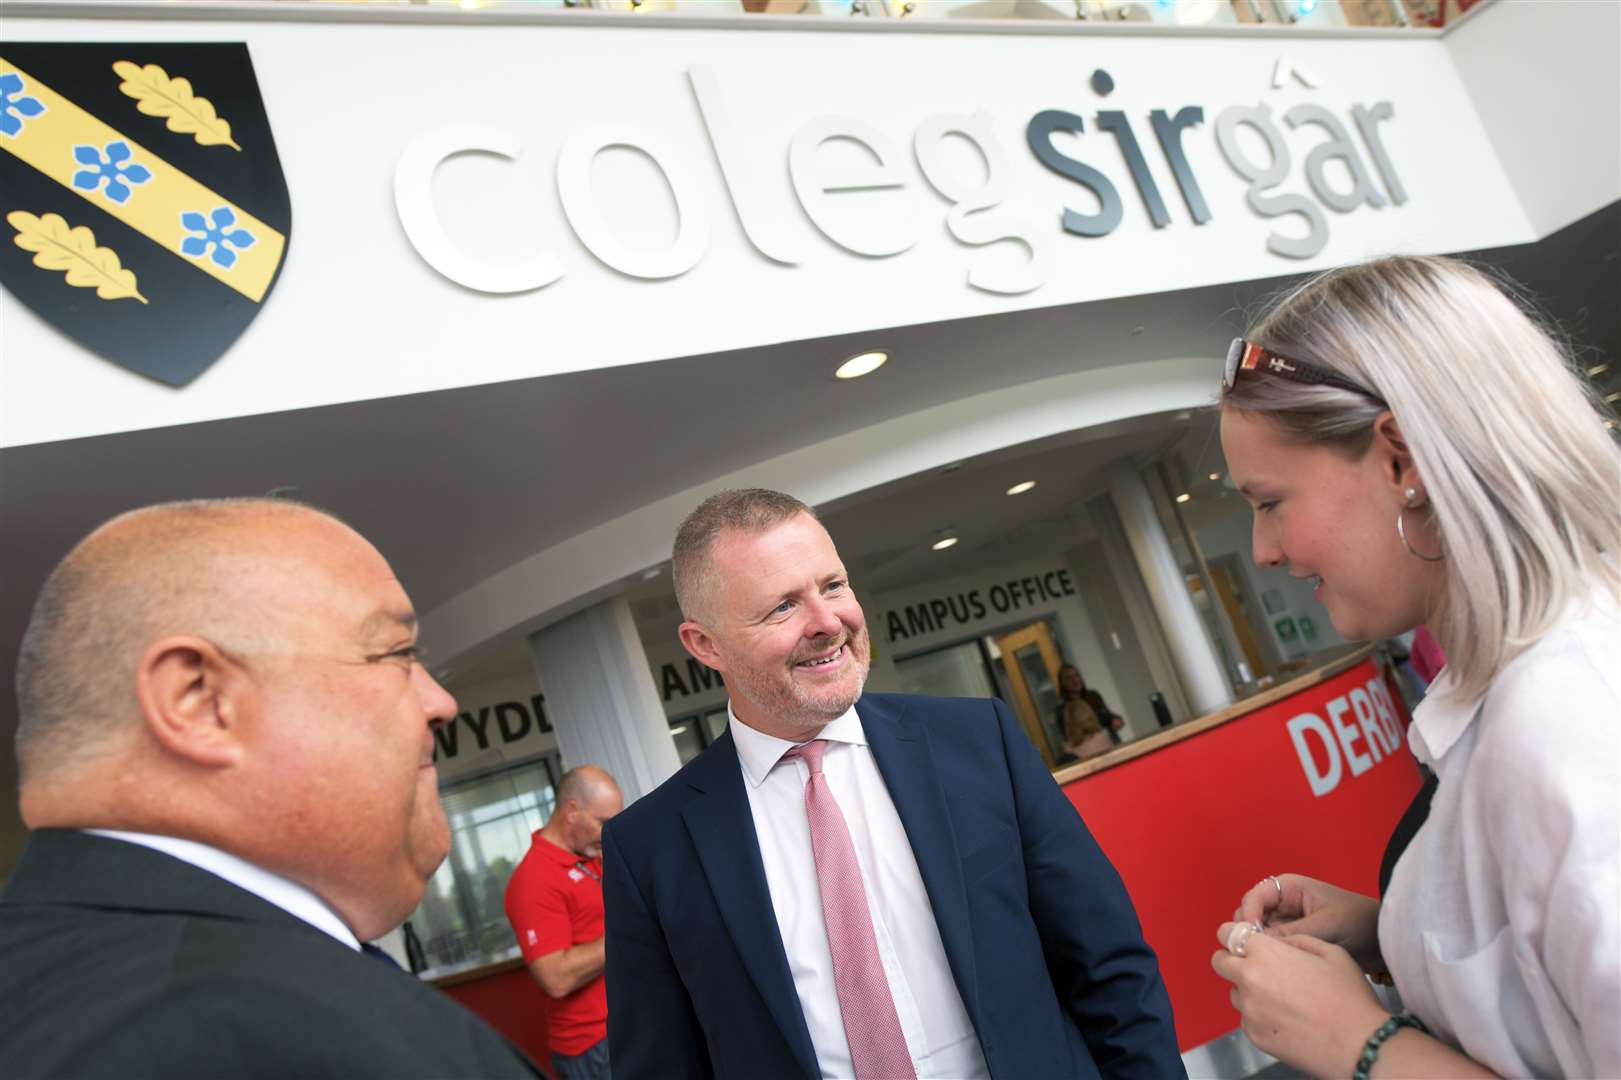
{"x":160,"y":569}
{"x":1506,"y":433}
{"x":750,"y":511}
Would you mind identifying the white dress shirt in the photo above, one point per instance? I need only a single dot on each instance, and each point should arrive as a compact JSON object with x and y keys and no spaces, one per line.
{"x":939,"y":1035}
{"x":290,"y":896}
{"x":1500,"y":924}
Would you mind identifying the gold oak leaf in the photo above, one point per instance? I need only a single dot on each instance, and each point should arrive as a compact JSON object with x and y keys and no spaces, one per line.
{"x":159,"y":95}
{"x":56,"y":246}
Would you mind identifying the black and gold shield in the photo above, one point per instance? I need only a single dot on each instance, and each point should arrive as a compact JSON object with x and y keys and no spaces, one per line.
{"x":143,"y":210}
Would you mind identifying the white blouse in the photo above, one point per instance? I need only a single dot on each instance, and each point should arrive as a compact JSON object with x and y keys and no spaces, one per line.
{"x":1501,"y":922}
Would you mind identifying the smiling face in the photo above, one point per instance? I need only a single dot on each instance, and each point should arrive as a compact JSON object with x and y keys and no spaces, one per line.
{"x":1325,"y":515}
{"x":784,"y":628}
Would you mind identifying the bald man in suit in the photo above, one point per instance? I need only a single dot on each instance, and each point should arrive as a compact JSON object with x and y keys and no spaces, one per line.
{"x":226,"y":752}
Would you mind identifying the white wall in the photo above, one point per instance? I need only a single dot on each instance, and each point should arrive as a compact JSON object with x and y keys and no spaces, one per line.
{"x":359,"y":314}
{"x":1072,"y":612}
{"x":1546,"y":85}
{"x":481,"y":737}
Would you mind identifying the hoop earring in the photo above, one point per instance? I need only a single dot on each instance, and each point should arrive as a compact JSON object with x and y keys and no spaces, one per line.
{"x":1401,"y":528}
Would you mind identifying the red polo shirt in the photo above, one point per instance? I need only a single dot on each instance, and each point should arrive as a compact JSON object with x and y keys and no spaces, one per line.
{"x":554,"y":901}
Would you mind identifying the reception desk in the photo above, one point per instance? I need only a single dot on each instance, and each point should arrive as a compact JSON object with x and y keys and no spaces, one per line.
{"x":1309,"y":776}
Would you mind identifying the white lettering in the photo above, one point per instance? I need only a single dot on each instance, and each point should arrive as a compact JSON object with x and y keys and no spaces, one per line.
{"x":413,"y":201}
{"x":1387,"y":711}
{"x":986,"y":226}
{"x":580,"y":204}
{"x":1368,"y":720}
{"x":1322,"y":782}
{"x":1360,"y":763}
{"x":764,"y":230}
{"x":874,"y":233}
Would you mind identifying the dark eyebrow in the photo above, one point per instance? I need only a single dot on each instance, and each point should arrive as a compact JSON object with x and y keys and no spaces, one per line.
{"x":380,"y":623}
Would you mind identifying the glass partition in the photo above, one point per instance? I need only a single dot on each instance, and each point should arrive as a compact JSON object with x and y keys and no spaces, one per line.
{"x":462,"y":919}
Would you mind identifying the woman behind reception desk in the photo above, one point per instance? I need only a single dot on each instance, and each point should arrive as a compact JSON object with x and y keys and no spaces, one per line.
{"x":1411,"y":440}
{"x":1089,"y":726}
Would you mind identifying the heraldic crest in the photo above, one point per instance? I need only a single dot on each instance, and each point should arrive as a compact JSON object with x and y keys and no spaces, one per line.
{"x":143,"y":204}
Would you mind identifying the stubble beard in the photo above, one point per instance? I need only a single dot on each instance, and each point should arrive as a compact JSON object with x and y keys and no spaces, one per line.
{"x":791,"y":705}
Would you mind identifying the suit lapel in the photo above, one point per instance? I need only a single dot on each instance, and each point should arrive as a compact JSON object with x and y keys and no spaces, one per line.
{"x":900,"y":746}
{"x":722,"y":829}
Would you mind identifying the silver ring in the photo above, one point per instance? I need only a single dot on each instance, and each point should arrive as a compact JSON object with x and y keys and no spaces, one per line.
{"x":1238,"y":935}
{"x":1273,"y":878}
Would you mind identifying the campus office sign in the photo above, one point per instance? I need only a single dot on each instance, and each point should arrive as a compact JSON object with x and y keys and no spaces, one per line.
{"x":142,"y":197}
{"x":1335,"y":170}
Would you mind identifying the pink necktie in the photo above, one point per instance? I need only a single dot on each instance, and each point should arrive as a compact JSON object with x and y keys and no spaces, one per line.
{"x":877,"y":1046}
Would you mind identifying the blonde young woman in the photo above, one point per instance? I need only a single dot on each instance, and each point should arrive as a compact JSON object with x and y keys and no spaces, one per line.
{"x":1414,"y":444}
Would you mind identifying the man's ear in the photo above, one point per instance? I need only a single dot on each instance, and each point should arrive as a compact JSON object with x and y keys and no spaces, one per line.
{"x":191,"y":698}
{"x":1396,"y":461}
{"x":697,"y":641}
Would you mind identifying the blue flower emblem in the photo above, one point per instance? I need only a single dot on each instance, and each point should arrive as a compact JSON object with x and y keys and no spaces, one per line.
{"x":14,"y":103}
{"x":214,"y":235}
{"x":112,"y":165}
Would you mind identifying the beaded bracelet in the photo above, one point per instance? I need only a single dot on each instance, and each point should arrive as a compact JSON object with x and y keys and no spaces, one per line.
{"x":1370,"y":1051}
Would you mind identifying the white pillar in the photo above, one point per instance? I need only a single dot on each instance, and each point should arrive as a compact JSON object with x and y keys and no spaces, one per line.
{"x":1191,"y":649}
{"x":601,"y":699}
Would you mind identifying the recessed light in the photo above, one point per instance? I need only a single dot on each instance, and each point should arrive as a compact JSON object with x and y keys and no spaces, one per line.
{"x":1184,"y":497}
{"x":943,"y":543}
{"x":1135,"y":330}
{"x":864,"y":364}
{"x":652,"y":572}
{"x":1598,"y":369}
{"x":1215,"y":476}
{"x":1021,"y":487}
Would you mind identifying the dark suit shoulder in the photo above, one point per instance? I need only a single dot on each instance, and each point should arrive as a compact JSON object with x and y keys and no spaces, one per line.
{"x":662,"y":806}
{"x":132,"y":994}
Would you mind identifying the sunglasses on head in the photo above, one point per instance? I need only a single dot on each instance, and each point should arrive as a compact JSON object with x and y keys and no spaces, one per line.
{"x":1247,"y":356}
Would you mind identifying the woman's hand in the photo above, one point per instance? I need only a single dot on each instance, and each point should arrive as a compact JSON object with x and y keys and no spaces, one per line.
{"x":1299,"y":905}
{"x":1302,"y":1000}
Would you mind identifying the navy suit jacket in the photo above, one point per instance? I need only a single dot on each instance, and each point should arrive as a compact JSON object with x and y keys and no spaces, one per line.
{"x":1041,"y":938}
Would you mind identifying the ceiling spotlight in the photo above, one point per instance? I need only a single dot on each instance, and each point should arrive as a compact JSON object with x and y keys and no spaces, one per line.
{"x":943,"y":543}
{"x":1021,"y":488}
{"x":857,"y":366}
{"x":1598,"y":369}
{"x":1215,"y":476}
{"x":1184,"y":497}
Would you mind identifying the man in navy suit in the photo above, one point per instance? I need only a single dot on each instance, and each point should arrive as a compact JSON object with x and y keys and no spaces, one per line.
{"x":887,"y":889}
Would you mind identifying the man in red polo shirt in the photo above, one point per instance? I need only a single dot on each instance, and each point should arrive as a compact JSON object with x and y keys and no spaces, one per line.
{"x":554,"y":902}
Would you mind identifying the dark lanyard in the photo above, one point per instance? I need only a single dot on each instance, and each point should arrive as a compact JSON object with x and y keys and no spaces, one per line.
{"x":587,"y":871}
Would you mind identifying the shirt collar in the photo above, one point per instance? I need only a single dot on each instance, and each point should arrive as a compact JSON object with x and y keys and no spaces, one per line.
{"x":290,"y":896}
{"x":1440,"y":720}
{"x":556,"y":853}
{"x":759,"y":753}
